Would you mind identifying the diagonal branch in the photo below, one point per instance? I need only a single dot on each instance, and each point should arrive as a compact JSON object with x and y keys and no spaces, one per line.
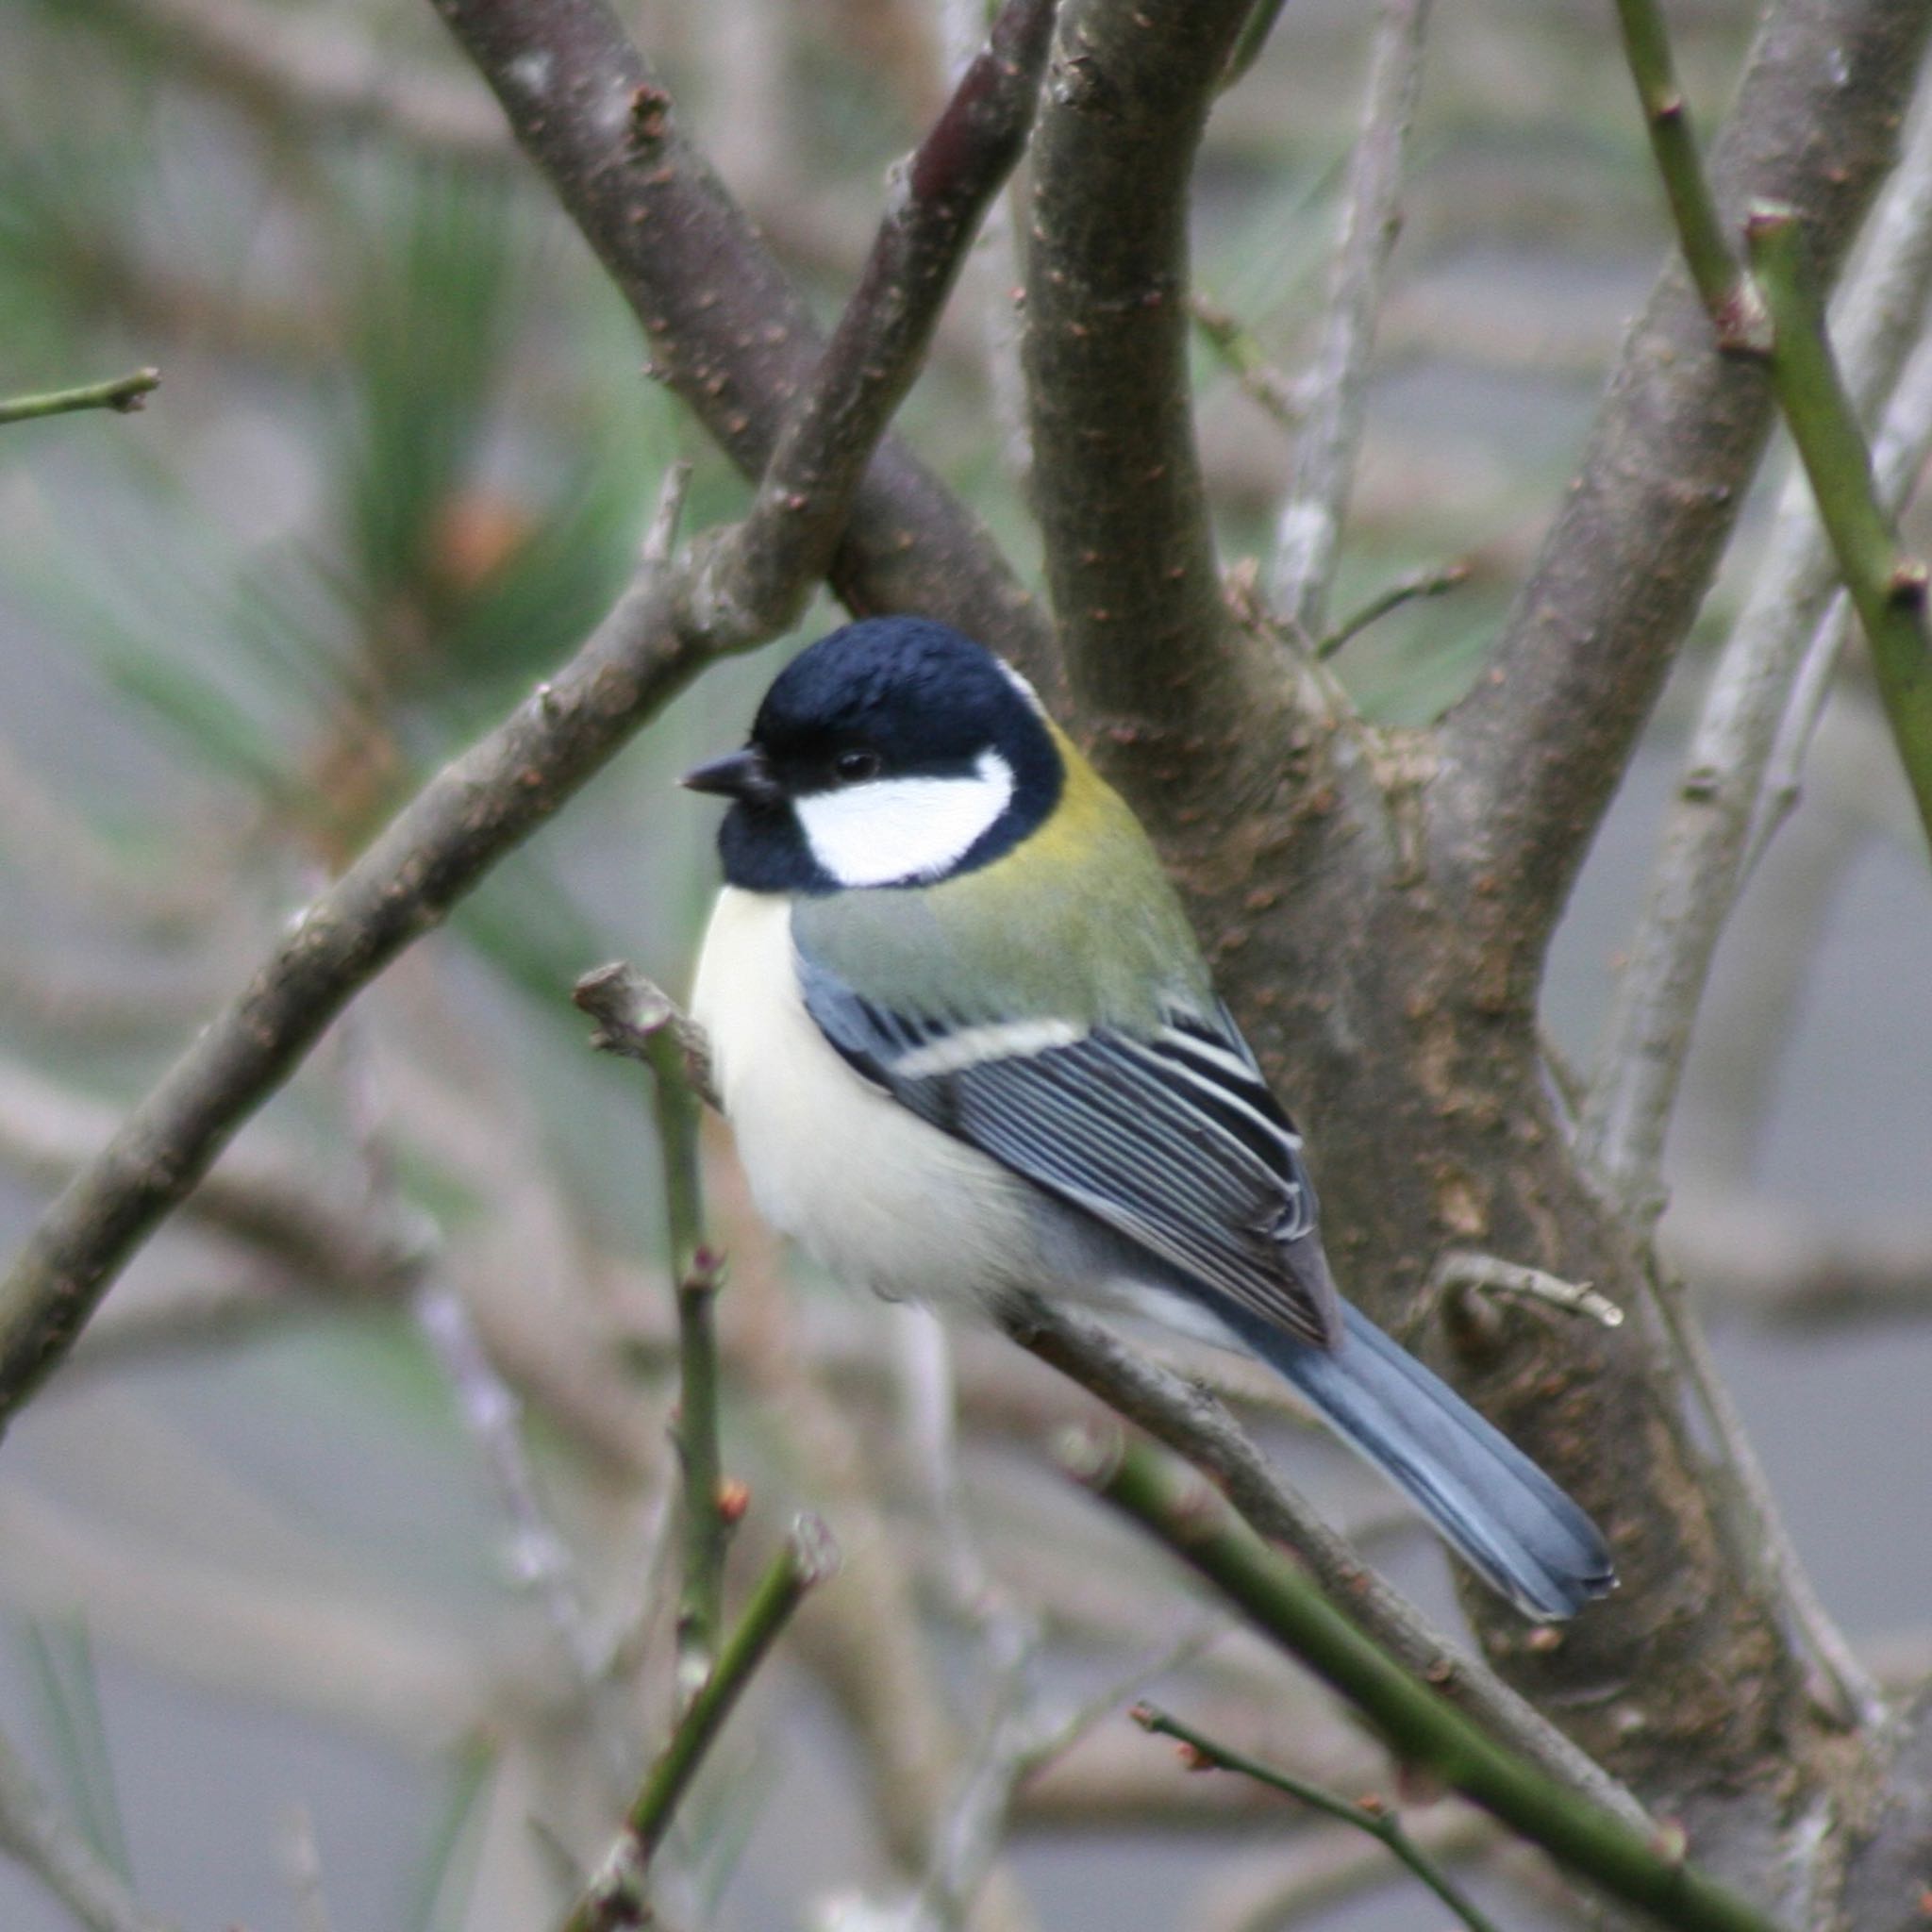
{"x":1533,"y":754}
{"x":124,"y":394}
{"x":730,"y":593}
{"x":1704,"y":857}
{"x":1648,"y":1871}
{"x":1193,"y":1425}
{"x":731,"y":334}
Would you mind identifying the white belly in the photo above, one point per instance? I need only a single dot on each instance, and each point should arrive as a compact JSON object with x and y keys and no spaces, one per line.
{"x":867,"y":1187}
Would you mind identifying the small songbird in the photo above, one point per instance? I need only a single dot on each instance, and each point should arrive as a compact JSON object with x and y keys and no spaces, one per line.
{"x":970,"y":1049}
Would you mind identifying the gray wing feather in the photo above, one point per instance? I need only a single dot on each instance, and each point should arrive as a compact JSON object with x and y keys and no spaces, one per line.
{"x":1174,"y":1140}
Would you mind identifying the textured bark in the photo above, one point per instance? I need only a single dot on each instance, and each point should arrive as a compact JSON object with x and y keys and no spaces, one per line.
{"x":1377,"y":905}
{"x":731,"y":335}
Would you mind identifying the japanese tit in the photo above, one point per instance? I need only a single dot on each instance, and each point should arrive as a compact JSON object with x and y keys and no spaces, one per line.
{"x":969,"y":1047}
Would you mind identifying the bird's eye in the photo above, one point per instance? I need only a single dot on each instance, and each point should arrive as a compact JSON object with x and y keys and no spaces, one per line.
{"x":854,"y":767}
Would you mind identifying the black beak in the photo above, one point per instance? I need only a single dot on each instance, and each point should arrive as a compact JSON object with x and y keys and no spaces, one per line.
{"x":738,"y":775}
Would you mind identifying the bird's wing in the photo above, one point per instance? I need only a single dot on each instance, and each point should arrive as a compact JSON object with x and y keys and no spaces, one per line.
{"x":1171,"y":1138}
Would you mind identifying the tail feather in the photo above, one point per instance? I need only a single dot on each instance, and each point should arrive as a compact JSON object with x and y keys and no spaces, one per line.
{"x":1508,"y":1521}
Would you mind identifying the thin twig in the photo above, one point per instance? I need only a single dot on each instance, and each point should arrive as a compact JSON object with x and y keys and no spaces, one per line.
{"x":1898,"y":459}
{"x":1329,"y":1868}
{"x":1278,"y":394}
{"x":1366,"y":1815}
{"x":617,"y":1896}
{"x":1190,"y":1422}
{"x":1630,"y":555}
{"x":1740,"y":771}
{"x":1405,"y":590}
{"x":125,"y":394}
{"x":1186,"y":1516}
{"x":1307,"y":528}
{"x":1735,"y":307}
{"x":636,"y":1020}
{"x":1460,"y":1269}
{"x":729,"y":595}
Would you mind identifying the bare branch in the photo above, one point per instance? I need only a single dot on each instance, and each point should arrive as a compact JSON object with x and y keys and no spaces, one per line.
{"x":1308,"y":530}
{"x":1888,"y":588}
{"x":731,"y":334}
{"x":1623,"y":569}
{"x":1707,"y":842}
{"x":1373,"y":1817}
{"x":730,"y":594}
{"x":1646,"y":1869}
{"x":617,"y":1896}
{"x":125,"y":396}
{"x":636,"y":1020}
{"x":1191,"y":1423}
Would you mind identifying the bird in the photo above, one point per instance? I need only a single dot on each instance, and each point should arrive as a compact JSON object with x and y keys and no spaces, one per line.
{"x":970,"y":1051}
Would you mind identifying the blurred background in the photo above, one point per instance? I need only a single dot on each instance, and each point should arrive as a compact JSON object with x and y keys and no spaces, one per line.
{"x":330,"y":1569}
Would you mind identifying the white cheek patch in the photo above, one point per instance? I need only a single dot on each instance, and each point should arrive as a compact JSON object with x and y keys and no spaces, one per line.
{"x":898,"y":831}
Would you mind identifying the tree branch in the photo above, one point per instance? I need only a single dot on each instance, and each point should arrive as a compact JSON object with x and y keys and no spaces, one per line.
{"x":1191,"y":1423}
{"x":1709,"y":839}
{"x":124,"y":394}
{"x":730,"y":593}
{"x":1382,"y":1825}
{"x":635,"y":1020}
{"x":1534,"y":752}
{"x":731,"y":334}
{"x":1420,"y":1726}
{"x":617,"y":1896}
{"x":1151,"y":659}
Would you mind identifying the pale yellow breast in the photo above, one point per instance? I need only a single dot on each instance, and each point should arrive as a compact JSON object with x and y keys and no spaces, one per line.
{"x":871,"y":1191}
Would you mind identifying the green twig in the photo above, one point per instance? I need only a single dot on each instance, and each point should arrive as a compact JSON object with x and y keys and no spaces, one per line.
{"x":125,"y":394}
{"x":637,"y":1020}
{"x":1736,"y":307}
{"x":1419,"y":1725}
{"x":1405,"y":590}
{"x":1253,"y":37}
{"x":1238,"y":347}
{"x":1774,"y":312}
{"x":1887,"y":589}
{"x":1367,"y":1815}
{"x":616,"y":1896}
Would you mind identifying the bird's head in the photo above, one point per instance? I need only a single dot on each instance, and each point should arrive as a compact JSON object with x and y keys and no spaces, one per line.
{"x":893,"y":752}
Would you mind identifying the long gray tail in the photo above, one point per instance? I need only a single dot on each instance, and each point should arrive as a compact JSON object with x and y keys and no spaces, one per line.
{"x":1507,"y":1519}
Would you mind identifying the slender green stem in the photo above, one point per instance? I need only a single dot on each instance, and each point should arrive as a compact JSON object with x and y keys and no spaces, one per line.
{"x":1887,"y":589}
{"x":616,"y":1897}
{"x":1736,"y":307}
{"x":1243,"y":353}
{"x":1419,"y":1725}
{"x":1774,"y":312}
{"x":1253,"y":37}
{"x":1405,"y":590}
{"x":123,"y":393}
{"x":1383,"y":1826}
{"x":636,"y":1019}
